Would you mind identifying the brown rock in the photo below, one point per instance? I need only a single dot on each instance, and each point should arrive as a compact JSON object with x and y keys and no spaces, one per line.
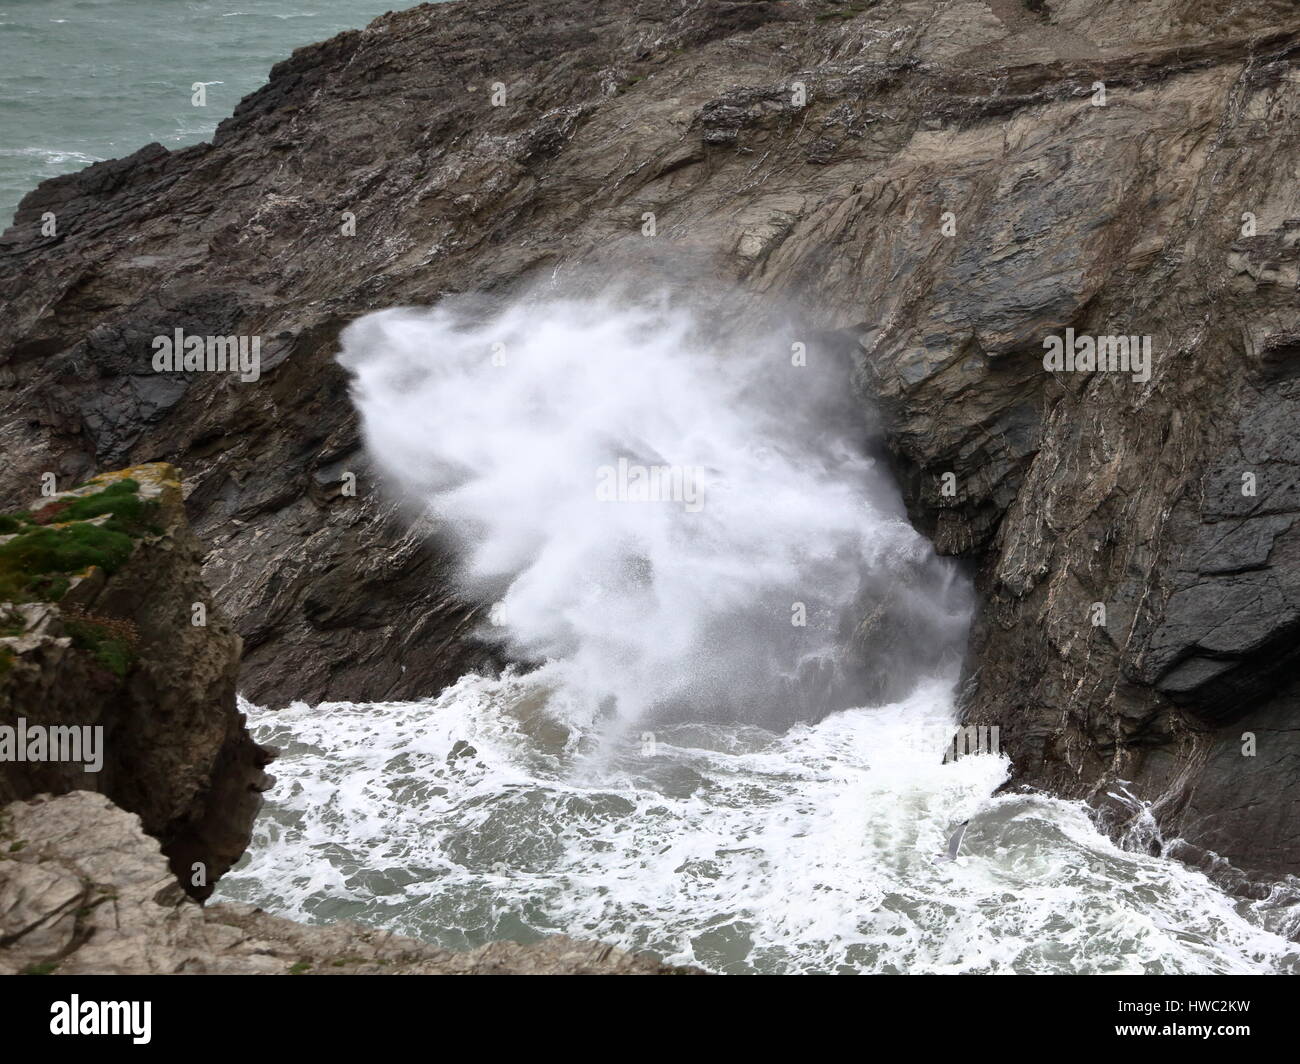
{"x":174,"y":746}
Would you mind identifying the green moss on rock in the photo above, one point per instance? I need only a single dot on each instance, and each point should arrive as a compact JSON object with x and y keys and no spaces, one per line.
{"x":59,"y":540}
{"x":110,"y":641}
{"x":37,"y":563}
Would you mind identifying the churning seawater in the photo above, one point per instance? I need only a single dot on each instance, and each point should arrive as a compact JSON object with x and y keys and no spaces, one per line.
{"x":728,"y":748}
{"x":85,"y":80}
{"x":687,"y":770}
{"x":724,"y":846}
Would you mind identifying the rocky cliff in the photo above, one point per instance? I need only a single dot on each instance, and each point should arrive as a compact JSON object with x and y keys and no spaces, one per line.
{"x":128,"y":781}
{"x":118,"y":673}
{"x":938,"y":186}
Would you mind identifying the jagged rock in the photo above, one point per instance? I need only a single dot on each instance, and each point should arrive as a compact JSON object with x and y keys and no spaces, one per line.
{"x":1167,"y":212}
{"x":121,"y":653}
{"x":84,"y":891}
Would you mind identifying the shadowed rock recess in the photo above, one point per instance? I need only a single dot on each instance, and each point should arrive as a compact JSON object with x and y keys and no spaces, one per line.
{"x":1169,"y":210}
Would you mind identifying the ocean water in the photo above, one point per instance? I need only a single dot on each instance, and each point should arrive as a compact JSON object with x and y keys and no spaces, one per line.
{"x":459,"y":821}
{"x":688,"y":770}
{"x":85,"y":80}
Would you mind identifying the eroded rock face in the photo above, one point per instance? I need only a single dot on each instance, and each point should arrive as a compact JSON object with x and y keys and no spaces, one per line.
{"x":1169,"y":212}
{"x":84,"y":891}
{"x":120,"y":652}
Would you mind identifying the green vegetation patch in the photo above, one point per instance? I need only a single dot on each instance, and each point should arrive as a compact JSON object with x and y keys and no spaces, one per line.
{"x":110,"y":641}
{"x":55,"y":542}
{"x":36,"y":564}
{"x":120,"y":501}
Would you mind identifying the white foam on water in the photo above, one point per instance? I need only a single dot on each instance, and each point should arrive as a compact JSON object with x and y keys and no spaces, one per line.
{"x":685,"y":770}
{"x":462,"y":819}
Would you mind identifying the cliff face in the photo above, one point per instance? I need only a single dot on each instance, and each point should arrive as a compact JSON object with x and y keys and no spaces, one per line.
{"x":124,"y":764}
{"x":938,"y":185}
{"x":98,"y":595}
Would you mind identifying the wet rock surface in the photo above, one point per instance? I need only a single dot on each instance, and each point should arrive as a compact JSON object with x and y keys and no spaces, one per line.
{"x":950,"y":191}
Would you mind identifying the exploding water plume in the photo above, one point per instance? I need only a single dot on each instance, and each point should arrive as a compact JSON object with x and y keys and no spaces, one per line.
{"x":674,"y":521}
{"x":674,"y":765}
